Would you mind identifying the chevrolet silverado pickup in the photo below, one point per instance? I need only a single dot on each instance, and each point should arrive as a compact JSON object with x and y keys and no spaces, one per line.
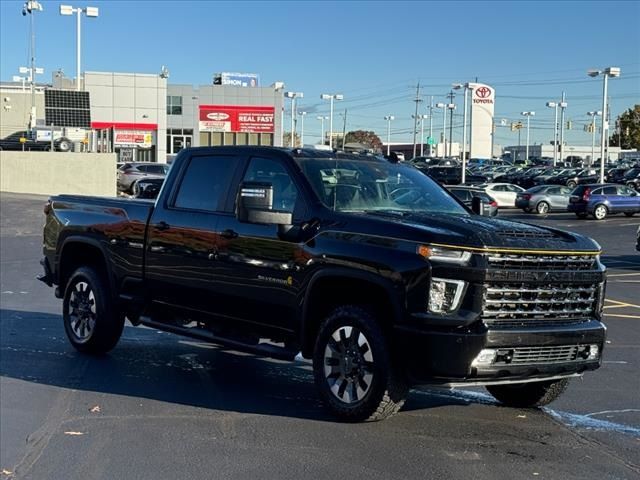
{"x":369,"y":269}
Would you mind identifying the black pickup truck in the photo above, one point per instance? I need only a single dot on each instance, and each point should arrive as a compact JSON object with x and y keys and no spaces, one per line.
{"x":370,"y":269}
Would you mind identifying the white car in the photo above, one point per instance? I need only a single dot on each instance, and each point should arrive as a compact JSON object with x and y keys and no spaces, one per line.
{"x":503,"y":193}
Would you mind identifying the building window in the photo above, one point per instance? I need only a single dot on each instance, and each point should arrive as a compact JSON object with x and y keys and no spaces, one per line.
{"x":178,"y":138}
{"x":174,"y":105}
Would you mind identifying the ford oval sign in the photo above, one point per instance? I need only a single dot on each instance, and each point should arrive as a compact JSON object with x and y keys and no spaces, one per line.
{"x":217,"y":116}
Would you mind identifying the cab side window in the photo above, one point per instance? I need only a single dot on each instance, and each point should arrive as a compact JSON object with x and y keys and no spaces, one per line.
{"x":285,"y":193}
{"x":205,"y":182}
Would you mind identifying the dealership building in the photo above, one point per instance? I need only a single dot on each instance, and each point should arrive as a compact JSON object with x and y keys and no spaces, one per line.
{"x":141,"y":117}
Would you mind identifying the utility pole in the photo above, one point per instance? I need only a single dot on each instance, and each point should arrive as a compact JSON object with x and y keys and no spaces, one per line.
{"x":450,"y":96}
{"x":344,"y":129}
{"x":415,"y":118}
{"x":563,"y":106}
{"x":431,"y":126}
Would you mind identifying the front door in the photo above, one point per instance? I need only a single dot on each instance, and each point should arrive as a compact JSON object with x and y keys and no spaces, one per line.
{"x":260,"y":270}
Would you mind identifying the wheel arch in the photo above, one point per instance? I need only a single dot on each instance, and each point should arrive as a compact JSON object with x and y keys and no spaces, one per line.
{"x":331,"y":288}
{"x":79,"y":251}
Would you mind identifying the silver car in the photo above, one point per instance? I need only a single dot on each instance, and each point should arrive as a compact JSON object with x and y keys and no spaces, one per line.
{"x":544,"y":198}
{"x":131,"y":172}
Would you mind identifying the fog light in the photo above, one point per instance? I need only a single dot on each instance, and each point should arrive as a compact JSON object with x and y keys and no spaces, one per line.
{"x":486,"y":357}
{"x":445,"y":295}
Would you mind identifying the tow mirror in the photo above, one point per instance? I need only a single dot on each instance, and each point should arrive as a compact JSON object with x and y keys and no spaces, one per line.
{"x":255,"y":205}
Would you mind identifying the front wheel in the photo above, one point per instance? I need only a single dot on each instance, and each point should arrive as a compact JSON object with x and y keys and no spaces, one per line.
{"x":528,"y":395}
{"x":91,"y":323}
{"x":64,"y":145}
{"x":600,"y":212}
{"x":353,"y":367}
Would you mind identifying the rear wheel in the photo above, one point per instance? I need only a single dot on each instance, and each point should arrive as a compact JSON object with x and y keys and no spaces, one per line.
{"x":571,"y":184}
{"x":90,"y":320}
{"x":542,"y":208}
{"x":64,"y":145}
{"x":527,"y":395}
{"x":600,"y":212}
{"x":353,"y":367}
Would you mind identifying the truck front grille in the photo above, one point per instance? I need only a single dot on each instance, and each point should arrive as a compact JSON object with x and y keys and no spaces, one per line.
{"x":508,"y":261}
{"x":530,"y":305}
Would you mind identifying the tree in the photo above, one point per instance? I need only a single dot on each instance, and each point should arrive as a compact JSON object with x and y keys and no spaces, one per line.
{"x":367,"y":138}
{"x":287,"y":140}
{"x":629,"y":128}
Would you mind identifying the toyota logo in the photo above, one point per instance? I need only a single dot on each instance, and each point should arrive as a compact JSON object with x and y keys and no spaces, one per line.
{"x":483,"y":92}
{"x":217,"y":116}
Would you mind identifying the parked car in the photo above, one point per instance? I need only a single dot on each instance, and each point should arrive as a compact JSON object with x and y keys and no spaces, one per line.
{"x":467,"y":194}
{"x":12,"y":142}
{"x":452,"y":175}
{"x":544,"y":199}
{"x":147,"y":187}
{"x":615,"y":175}
{"x":574,"y":160}
{"x":587,"y":175}
{"x":562,"y":177}
{"x":132,"y":171}
{"x":601,"y":200}
{"x":543,"y":178}
{"x":503,"y":193}
{"x":638,"y":240}
{"x":634,"y":182}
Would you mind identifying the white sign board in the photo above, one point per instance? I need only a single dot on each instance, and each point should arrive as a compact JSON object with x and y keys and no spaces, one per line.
{"x":483,"y":98}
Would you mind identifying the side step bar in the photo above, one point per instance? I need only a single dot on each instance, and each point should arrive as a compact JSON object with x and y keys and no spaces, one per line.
{"x":261,"y":349}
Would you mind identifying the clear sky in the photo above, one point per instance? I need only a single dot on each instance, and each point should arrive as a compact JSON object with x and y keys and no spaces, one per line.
{"x":374,"y":53}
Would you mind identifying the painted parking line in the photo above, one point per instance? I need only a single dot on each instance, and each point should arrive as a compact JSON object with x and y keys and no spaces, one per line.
{"x":622,"y":274}
{"x":619,"y":315}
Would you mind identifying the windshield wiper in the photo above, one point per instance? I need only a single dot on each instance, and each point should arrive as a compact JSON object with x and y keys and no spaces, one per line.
{"x":390,"y":212}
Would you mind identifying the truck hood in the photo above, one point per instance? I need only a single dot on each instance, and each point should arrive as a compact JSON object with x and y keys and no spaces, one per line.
{"x":477,"y":232}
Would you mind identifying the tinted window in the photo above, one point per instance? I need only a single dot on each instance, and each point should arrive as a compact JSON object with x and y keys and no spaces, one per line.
{"x":285,"y":193}
{"x":204,"y":184}
{"x":565,"y":191}
{"x":553,"y":191}
{"x":159,"y":169}
{"x":610,"y":191}
{"x":461,"y":194}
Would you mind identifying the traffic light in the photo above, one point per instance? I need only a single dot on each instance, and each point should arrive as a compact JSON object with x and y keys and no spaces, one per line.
{"x":569,"y":125}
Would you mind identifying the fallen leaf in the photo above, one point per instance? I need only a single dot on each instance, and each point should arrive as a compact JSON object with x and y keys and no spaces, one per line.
{"x":535,"y":473}
{"x":522,"y":416}
{"x":95,"y":409}
{"x":73,"y":433}
{"x":6,"y":472}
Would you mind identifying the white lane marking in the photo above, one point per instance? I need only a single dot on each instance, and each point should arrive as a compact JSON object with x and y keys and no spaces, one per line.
{"x":623,"y":274}
{"x":622,"y":304}
{"x":628,"y":224}
{"x":619,"y":362}
{"x":588,"y":423}
{"x":637,"y":317}
{"x":625,"y":281}
{"x":626,"y":410}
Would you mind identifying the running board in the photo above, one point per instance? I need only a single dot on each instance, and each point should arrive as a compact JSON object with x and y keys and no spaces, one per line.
{"x":261,"y":349}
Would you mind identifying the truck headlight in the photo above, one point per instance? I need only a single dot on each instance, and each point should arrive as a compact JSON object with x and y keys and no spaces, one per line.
{"x":447,"y":255}
{"x":445,"y":295}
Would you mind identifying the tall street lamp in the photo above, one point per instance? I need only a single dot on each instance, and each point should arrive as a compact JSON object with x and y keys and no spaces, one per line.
{"x":606,"y":73}
{"x":422,"y":119}
{"x":389,"y":118}
{"x":91,"y":12}
{"x":302,"y":115}
{"x":457,"y":86}
{"x":563,"y":105}
{"x":443,"y":106}
{"x":593,"y":133}
{"x":322,"y":119}
{"x":29,"y":8}
{"x":293,"y":96}
{"x":277,"y":88}
{"x":331,"y":97}
{"x":451,"y":107}
{"x":555,"y":106}
{"x":528,"y":115}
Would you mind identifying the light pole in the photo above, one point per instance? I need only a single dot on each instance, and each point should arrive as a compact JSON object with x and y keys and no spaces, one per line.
{"x":593,"y":133}
{"x":91,"y":12}
{"x":302,"y":115}
{"x":431,"y":126}
{"x":606,"y":73}
{"x":528,"y":115}
{"x":422,"y":119}
{"x":18,"y":78}
{"x":389,"y":118}
{"x":30,"y":7}
{"x":277,"y":88}
{"x":458,"y":86}
{"x":322,"y":119}
{"x":331,"y":97}
{"x":293,"y":96}
{"x":563,"y":105}
{"x":554,"y":105}
{"x":443,"y":106}
{"x":451,"y":107}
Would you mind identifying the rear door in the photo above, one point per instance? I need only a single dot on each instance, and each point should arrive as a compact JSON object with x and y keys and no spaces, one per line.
{"x":181,"y":236}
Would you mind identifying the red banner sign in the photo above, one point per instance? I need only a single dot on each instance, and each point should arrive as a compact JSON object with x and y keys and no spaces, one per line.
{"x":236,"y":118}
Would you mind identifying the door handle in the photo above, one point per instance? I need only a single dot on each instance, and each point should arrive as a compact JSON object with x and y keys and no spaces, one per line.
{"x":228,"y":234}
{"x":163,"y":226}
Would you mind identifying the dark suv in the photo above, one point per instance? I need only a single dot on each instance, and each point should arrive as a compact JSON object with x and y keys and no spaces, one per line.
{"x":453,"y":175}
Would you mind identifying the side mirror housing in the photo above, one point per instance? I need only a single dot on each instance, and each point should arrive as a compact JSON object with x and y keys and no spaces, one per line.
{"x":255,"y":205}
{"x":478,"y":206}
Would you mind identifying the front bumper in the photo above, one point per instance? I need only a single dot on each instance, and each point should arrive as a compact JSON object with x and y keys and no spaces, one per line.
{"x":445,"y":358}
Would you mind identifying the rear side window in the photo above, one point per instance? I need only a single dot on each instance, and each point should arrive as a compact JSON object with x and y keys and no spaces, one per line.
{"x":610,"y":191}
{"x":159,"y":169}
{"x":204,"y":184}
{"x":461,"y":194}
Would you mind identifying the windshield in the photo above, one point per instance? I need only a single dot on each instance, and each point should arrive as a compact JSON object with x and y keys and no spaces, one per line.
{"x":350,"y":185}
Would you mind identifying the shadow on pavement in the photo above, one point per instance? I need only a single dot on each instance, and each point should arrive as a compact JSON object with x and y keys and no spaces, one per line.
{"x":159,"y":366}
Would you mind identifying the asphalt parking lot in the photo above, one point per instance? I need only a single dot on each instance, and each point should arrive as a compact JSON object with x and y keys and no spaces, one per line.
{"x":161,"y":406}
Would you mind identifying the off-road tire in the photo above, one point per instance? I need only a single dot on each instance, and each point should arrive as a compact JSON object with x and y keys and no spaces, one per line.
{"x":388,"y":387}
{"x":103,"y":323}
{"x":528,"y":395}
